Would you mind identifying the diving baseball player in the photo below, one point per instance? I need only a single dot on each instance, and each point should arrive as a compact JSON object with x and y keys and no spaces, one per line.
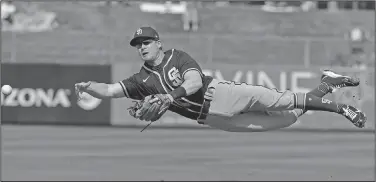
{"x":173,"y":80}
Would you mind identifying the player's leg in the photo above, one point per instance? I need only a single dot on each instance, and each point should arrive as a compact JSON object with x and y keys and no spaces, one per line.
{"x":283,"y":119}
{"x":330,"y":82}
{"x":236,"y":98}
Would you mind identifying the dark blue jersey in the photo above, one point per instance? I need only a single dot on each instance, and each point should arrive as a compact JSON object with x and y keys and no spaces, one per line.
{"x":166,"y":77}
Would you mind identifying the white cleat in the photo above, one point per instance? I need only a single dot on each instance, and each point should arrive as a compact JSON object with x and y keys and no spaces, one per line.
{"x":337,"y":81}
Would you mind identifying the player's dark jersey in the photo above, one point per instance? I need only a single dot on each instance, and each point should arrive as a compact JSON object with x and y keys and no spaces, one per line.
{"x":166,"y":77}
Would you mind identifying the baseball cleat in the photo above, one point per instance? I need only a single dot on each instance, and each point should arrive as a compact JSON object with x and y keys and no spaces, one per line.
{"x":357,"y":117}
{"x":337,"y":81}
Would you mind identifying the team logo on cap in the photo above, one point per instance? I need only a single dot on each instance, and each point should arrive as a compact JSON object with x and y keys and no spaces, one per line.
{"x":139,"y":31}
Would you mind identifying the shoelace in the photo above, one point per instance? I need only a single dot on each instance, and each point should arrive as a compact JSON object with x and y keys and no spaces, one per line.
{"x":346,"y":80}
{"x":340,"y":85}
{"x":350,"y":113}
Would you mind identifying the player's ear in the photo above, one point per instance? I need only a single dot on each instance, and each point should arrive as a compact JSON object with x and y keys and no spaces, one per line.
{"x":159,"y":44}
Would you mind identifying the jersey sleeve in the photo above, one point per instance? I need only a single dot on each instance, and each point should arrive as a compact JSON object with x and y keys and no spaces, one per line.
{"x":187,"y":63}
{"x":131,"y":88}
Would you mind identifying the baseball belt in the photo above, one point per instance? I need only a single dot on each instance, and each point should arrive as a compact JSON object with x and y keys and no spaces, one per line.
{"x":208,"y":97}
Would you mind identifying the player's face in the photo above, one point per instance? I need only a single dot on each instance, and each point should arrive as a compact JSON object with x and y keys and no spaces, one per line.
{"x":148,"y":49}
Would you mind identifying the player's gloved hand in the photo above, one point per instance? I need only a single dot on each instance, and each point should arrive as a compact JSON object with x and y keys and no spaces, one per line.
{"x":79,"y":88}
{"x":140,"y":107}
{"x":152,"y":107}
{"x":160,"y":104}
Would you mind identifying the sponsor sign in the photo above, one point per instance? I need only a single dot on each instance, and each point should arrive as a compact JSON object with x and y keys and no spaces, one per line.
{"x":44,"y":93}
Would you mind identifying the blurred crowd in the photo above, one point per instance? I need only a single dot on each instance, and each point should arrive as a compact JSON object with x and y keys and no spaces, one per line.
{"x":25,"y":17}
{"x":8,"y":11}
{"x":290,"y":6}
{"x":34,"y":19}
{"x":188,"y":9}
{"x":357,"y":57}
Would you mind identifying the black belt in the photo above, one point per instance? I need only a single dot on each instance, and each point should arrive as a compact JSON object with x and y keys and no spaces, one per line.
{"x":206,"y":105}
{"x":204,"y":111}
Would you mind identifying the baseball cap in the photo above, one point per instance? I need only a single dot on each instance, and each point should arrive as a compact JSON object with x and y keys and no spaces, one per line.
{"x":144,"y":32}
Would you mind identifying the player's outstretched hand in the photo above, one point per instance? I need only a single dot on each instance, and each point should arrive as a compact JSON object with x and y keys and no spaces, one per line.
{"x":80,"y":87}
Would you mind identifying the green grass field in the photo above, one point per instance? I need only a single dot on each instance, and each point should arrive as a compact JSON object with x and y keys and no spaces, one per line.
{"x":97,"y":153}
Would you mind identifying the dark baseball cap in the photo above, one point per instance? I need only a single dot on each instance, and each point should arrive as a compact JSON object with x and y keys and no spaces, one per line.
{"x":144,"y":32}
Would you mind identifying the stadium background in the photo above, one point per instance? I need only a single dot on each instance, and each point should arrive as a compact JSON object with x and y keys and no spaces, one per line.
{"x":53,"y":45}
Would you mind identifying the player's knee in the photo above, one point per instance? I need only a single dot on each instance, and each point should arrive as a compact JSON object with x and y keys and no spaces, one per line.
{"x":282,"y":101}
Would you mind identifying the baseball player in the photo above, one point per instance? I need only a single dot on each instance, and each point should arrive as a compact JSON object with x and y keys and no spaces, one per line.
{"x":173,"y":80}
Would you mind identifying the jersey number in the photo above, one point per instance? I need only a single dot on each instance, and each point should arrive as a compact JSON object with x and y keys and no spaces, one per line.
{"x":175,"y":77}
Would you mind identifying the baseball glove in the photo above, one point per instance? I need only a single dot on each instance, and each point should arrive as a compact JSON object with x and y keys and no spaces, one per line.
{"x":152,"y":107}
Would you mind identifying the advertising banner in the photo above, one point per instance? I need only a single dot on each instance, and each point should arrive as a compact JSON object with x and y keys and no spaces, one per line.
{"x":283,"y":77}
{"x":44,"y":93}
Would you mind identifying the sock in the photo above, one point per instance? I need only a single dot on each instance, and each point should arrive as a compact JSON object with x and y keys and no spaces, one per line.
{"x":319,"y":91}
{"x":311,"y":102}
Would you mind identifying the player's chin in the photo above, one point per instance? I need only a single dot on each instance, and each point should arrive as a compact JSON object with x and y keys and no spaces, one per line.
{"x":146,"y":58}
